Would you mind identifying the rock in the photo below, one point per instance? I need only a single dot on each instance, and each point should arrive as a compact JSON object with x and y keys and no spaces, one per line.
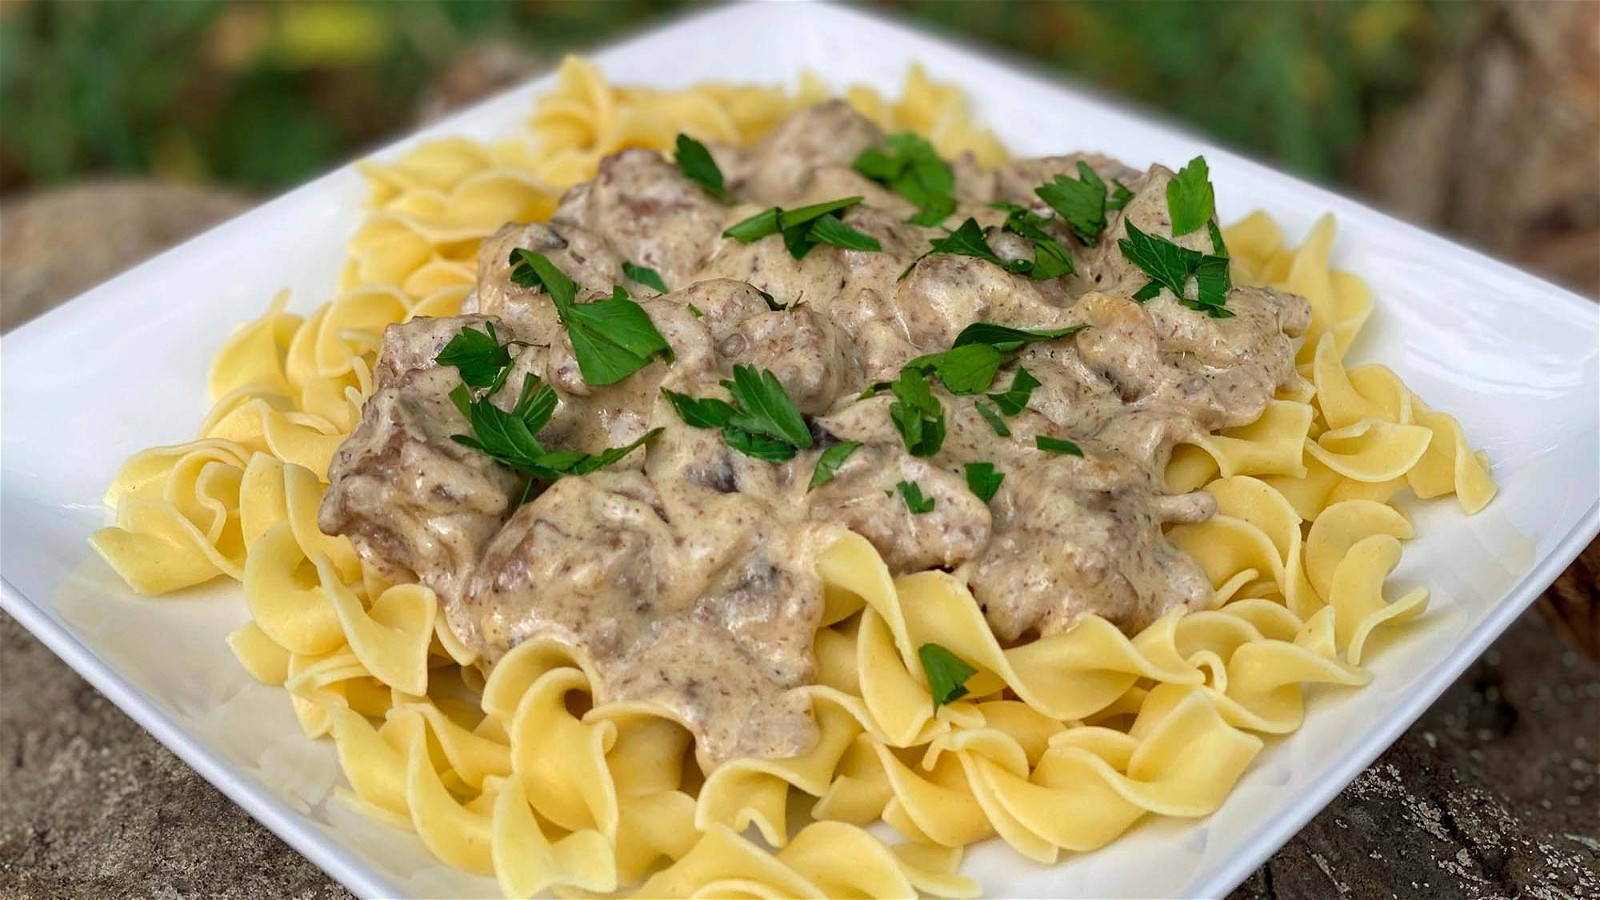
{"x":58,"y":243}
{"x":95,"y":807}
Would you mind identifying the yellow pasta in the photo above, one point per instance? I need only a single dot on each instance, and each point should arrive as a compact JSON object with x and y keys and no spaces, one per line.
{"x":1063,"y":743}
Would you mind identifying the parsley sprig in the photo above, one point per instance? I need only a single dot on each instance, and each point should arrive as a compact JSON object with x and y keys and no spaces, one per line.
{"x":611,"y":339}
{"x":803,"y":228}
{"x":909,"y":166}
{"x":1080,"y":202}
{"x":760,"y":422}
{"x":479,"y":356}
{"x":511,"y":438}
{"x":968,"y":367}
{"x":1170,"y":265}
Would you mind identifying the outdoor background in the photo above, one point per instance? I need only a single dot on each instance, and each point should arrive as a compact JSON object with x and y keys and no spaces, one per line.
{"x":1475,"y":118}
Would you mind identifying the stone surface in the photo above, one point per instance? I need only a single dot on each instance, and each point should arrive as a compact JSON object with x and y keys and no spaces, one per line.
{"x":56,"y":244}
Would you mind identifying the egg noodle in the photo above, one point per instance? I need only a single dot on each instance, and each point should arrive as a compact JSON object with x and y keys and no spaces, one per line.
{"x":1063,"y":742}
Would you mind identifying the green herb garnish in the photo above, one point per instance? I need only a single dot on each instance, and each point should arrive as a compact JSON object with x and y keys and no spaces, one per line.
{"x":802,"y":229}
{"x":1119,"y":196}
{"x":947,"y":674}
{"x":696,"y":164}
{"x":479,"y":356}
{"x":1006,"y":339}
{"x":1218,"y":248}
{"x":964,"y":369}
{"x":1057,"y":445}
{"x":969,"y":240}
{"x":644,"y":275}
{"x":1050,"y":259}
{"x":761,"y":422}
{"x":1080,"y":202}
{"x":511,"y":438}
{"x":829,"y":461}
{"x":611,"y":339}
{"x":909,"y":166}
{"x":1014,"y":399}
{"x":917,"y":414}
{"x":911,"y":493}
{"x":832,"y":230}
{"x":992,"y":416}
{"x":1190,"y":198}
{"x":1169,"y":266}
{"x":983,"y":480}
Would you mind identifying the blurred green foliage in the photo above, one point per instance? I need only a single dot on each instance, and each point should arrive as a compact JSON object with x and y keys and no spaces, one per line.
{"x":262,"y":95}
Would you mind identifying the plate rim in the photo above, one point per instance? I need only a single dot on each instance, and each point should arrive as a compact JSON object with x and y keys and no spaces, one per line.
{"x":1219,"y":879}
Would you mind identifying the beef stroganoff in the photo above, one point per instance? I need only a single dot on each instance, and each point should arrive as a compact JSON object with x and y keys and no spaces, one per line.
{"x":812,"y":442}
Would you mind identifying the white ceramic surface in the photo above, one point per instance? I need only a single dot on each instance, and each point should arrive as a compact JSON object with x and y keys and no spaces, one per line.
{"x":123,"y":367}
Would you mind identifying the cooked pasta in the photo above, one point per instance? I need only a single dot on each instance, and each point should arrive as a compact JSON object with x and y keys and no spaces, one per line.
{"x":1063,"y":742}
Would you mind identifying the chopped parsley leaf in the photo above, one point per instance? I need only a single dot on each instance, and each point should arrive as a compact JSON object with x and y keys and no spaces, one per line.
{"x":775,"y":219}
{"x":910,"y":166}
{"x":761,"y":422}
{"x":1080,"y":202}
{"x":992,"y":416}
{"x":644,"y":275}
{"x":1218,"y":248}
{"x":1190,"y":198}
{"x":1119,"y":197}
{"x":1213,"y":281}
{"x":969,"y":240}
{"x":764,"y":407}
{"x":1050,"y":259}
{"x":830,"y":229}
{"x":1006,"y":339}
{"x":1014,"y":399}
{"x":696,"y":164}
{"x":1057,"y":445}
{"x":511,"y":438}
{"x":911,"y":493}
{"x":917,"y":414}
{"x":697,"y":412}
{"x":611,"y":339}
{"x":829,"y":461}
{"x":1169,"y":266}
{"x":964,"y":369}
{"x":947,"y":674}
{"x":983,"y":480}
{"x":479,"y":356}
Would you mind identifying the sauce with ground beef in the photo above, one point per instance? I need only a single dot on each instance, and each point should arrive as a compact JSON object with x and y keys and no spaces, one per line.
{"x":686,"y":571}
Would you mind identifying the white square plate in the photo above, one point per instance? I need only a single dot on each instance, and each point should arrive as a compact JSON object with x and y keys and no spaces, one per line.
{"x":123,"y":367}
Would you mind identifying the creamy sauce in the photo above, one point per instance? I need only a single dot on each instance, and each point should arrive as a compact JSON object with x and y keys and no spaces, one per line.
{"x":687,"y":571}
